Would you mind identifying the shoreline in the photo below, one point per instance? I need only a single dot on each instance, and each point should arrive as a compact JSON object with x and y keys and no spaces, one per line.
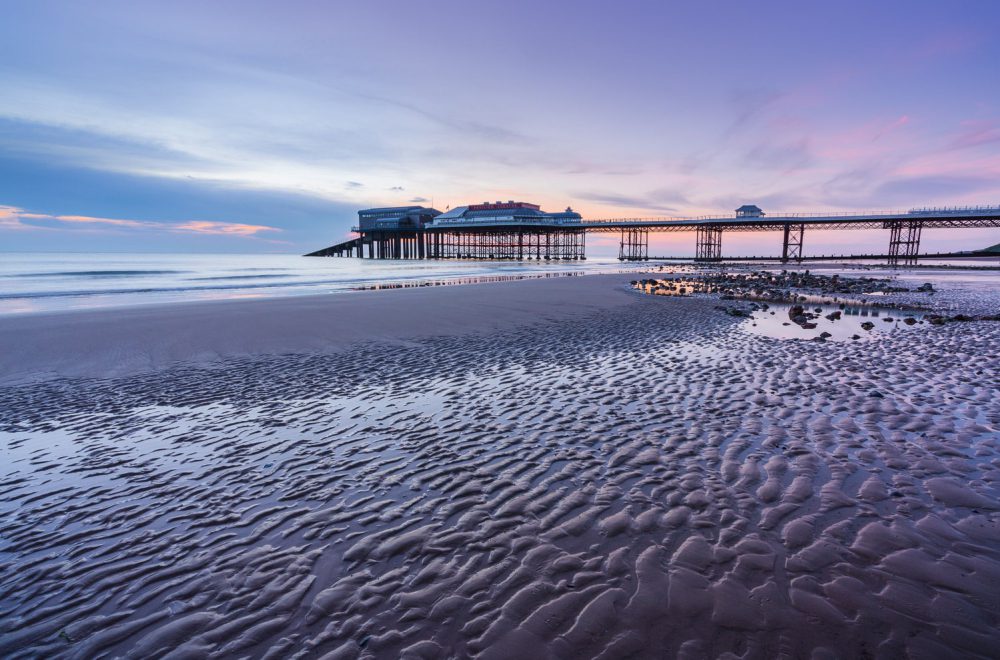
{"x":171,"y":282}
{"x":120,"y":341}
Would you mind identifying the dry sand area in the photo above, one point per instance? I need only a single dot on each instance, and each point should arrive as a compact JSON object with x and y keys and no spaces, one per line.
{"x":538,"y":469}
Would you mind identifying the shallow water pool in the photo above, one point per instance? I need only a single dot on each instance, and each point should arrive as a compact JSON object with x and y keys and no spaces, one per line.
{"x":775,"y":321}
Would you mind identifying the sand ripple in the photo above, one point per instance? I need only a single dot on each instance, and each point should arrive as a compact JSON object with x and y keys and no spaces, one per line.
{"x":653,"y":482}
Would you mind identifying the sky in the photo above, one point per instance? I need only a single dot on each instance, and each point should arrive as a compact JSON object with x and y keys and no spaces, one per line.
{"x":264,"y":126}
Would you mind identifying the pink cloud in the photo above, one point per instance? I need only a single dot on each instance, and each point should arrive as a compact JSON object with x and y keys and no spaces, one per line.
{"x":865,"y":141}
{"x":975,"y":133}
{"x":899,"y":123}
{"x":10,"y":219}
{"x":223,"y":228}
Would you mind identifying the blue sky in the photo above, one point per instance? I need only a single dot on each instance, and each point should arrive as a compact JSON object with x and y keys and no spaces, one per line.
{"x":263,"y":126}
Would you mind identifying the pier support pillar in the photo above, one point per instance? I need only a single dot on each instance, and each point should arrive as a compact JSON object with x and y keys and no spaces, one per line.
{"x":708,"y":243}
{"x":904,"y":242}
{"x":634,"y":244}
{"x":791,"y":247}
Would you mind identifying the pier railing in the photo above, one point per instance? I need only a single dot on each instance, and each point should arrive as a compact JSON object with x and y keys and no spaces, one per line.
{"x":503,"y":222}
{"x":519,"y":237}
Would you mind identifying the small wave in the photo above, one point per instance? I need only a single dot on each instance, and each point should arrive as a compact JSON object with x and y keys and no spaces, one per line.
{"x":237,"y":277}
{"x":345,"y":284}
{"x":100,"y":273}
{"x":252,"y":269}
{"x":169,"y":289}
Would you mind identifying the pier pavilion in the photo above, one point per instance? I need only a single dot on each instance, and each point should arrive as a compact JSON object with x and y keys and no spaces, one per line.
{"x":490,"y":230}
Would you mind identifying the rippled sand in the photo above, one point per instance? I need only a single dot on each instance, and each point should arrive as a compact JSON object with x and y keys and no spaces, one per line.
{"x":649,"y":480}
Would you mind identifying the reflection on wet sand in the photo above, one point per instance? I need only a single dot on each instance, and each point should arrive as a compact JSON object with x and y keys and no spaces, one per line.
{"x":648,"y":481}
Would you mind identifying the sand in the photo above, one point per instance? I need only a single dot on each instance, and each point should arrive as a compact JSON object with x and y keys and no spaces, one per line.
{"x":118,"y":342}
{"x":555,"y":469}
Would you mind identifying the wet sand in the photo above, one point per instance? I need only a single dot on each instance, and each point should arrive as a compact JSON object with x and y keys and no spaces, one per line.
{"x":555,"y":468}
{"x":132,"y":340}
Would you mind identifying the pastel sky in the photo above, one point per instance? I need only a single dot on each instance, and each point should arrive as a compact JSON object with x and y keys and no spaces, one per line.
{"x":245,"y":126}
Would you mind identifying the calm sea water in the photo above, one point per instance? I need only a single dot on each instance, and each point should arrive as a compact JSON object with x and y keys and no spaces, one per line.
{"x":39,"y":282}
{"x":35,"y":282}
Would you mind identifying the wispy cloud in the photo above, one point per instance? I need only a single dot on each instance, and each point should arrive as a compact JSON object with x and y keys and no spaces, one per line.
{"x":659,"y":201}
{"x":785,"y":156}
{"x":976,"y":133}
{"x":222,"y":228}
{"x":10,"y":219}
{"x":749,"y":104}
{"x":14,"y":218}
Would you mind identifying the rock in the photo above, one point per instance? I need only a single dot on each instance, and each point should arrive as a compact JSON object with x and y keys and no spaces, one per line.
{"x":867,"y":325}
{"x":909,"y":320}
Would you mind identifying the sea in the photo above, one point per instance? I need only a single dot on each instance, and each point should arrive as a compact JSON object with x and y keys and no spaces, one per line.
{"x":48,"y":282}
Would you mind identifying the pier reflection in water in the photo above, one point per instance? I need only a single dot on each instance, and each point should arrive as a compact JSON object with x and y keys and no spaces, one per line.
{"x":831,"y":318}
{"x":776,"y":322}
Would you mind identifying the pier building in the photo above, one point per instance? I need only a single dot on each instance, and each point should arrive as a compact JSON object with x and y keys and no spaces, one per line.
{"x":396,"y":218}
{"x":490,"y":230}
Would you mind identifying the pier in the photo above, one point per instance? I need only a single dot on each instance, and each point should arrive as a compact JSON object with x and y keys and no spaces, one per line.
{"x":519,"y":230}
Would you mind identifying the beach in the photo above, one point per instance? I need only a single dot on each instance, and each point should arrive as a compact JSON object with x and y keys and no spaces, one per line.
{"x":548,"y":468}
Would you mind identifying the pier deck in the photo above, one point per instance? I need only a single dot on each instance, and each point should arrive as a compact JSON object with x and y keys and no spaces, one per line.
{"x":513,"y":237}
